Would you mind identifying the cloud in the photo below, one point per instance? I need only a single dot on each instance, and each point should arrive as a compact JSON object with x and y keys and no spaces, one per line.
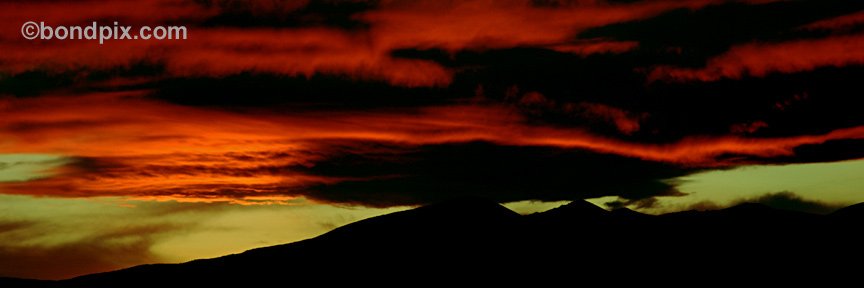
{"x":262,"y":104}
{"x":599,"y":115}
{"x":640,"y":203}
{"x":148,"y":149}
{"x":839,"y":23}
{"x":301,"y":38}
{"x":294,"y":13}
{"x":781,"y":200}
{"x":590,"y":47}
{"x":408,"y":175}
{"x":24,"y":167}
{"x":704,"y":206}
{"x":106,"y":251}
{"x":483,"y":24}
{"x":219,"y":52}
{"x":210,"y":50}
{"x":748,"y":128}
{"x":791,"y":201}
{"x":51,"y":238}
{"x":7,"y":226}
{"x":625,"y":122}
{"x":761,"y":59}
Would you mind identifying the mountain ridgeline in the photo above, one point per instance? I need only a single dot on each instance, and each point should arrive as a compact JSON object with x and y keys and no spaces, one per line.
{"x":479,"y":240}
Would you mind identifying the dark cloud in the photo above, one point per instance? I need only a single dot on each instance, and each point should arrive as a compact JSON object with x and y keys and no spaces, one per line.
{"x":639,"y":203}
{"x":295,"y":13}
{"x":791,"y":201}
{"x":32,"y":126}
{"x":781,"y":200}
{"x":704,"y":206}
{"x":823,"y":103}
{"x":699,"y":34}
{"x":785,"y":104}
{"x":429,"y":174}
{"x":32,"y":83}
{"x":316,"y":92}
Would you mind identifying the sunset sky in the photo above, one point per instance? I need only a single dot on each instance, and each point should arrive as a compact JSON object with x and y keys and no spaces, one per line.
{"x":276,"y":121}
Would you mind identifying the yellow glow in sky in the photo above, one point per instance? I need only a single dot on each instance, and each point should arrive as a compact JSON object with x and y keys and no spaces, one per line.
{"x":840,"y":183}
{"x":86,"y":231}
{"x":24,"y":167}
{"x":41,"y":236}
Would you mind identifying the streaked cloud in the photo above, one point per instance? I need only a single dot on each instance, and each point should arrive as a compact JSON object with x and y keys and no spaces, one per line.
{"x":761,"y":59}
{"x":839,"y":23}
{"x":297,"y":49}
{"x":125,"y":145}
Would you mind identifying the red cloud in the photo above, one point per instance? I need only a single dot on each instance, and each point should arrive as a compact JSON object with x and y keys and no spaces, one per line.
{"x":484,"y":24}
{"x":151,"y":149}
{"x":748,"y":128}
{"x":760,"y":59}
{"x":220,"y":52}
{"x":298,"y":52}
{"x":838,"y":23}
{"x":596,"y":47}
{"x":359,"y":53}
{"x":626,"y":122}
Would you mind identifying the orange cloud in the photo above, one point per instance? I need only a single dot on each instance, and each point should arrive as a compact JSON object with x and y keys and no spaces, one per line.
{"x":126,"y":145}
{"x":761,"y":59}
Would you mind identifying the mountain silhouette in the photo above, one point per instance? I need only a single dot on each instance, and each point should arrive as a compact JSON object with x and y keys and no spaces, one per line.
{"x":579,"y":210}
{"x":482,"y":241}
{"x":852,"y":212}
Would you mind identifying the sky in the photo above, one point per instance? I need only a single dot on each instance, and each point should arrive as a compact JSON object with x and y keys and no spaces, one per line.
{"x":277,"y":121}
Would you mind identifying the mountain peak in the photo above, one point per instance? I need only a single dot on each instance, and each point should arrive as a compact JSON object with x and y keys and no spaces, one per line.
{"x":578,"y":211}
{"x":469,"y":214}
{"x":580,"y":207}
{"x":468,"y":207}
